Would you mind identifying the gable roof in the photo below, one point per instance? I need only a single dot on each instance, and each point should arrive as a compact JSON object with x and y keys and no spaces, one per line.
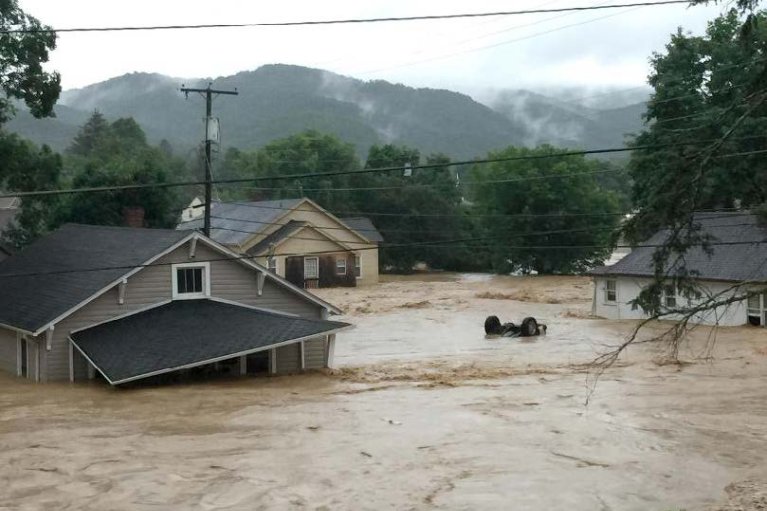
{"x":29,"y":302}
{"x":286,"y":232}
{"x":735,"y":263}
{"x":45,"y":282}
{"x":234,"y":223}
{"x":187,"y":333}
{"x":365,"y":227}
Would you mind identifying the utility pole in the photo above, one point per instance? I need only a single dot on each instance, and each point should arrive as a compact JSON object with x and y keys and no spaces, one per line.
{"x":208,"y":94}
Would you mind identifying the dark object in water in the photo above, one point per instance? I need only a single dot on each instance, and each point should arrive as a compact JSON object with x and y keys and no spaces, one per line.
{"x":529,"y":327}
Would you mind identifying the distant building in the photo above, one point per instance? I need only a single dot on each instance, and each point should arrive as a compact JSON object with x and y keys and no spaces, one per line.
{"x":133,"y":303}
{"x":617,"y":285}
{"x":297,"y":239}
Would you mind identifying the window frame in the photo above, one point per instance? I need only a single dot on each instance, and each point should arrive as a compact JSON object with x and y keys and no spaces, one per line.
{"x":205,"y":293}
{"x":341,"y":262}
{"x":665,"y":296}
{"x":357,"y":266}
{"x":607,"y":291}
{"x":317,"y":261}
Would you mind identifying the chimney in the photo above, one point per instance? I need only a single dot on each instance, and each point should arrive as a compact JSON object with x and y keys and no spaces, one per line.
{"x":133,"y":216}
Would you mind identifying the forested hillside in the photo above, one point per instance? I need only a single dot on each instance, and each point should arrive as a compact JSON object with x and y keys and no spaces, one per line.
{"x":276,"y":101}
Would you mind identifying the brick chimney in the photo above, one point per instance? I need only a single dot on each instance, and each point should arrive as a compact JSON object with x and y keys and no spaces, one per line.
{"x":133,"y":216}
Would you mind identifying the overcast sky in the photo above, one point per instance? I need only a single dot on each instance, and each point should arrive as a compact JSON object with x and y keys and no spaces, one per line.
{"x":606,"y":48}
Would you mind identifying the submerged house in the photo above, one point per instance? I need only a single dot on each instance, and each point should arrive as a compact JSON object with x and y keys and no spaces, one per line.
{"x":132,"y":303}
{"x":739,"y":245}
{"x":296,"y":239}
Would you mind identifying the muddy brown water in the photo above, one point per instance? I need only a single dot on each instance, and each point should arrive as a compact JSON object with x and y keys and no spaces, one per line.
{"x":422,"y":412}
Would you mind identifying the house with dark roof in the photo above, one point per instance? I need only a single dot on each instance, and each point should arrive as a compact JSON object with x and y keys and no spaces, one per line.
{"x":129,"y":304}
{"x":296,"y":239}
{"x":738,"y":255}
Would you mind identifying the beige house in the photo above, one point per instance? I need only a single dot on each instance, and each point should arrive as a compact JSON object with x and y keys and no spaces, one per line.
{"x":129,"y":304}
{"x":296,"y":239}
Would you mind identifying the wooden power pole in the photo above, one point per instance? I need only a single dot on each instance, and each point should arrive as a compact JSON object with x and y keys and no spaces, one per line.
{"x":208,"y":93}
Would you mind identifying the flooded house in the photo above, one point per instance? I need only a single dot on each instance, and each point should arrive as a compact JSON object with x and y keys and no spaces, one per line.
{"x":126,"y":304}
{"x":296,"y":239}
{"x":738,"y":253}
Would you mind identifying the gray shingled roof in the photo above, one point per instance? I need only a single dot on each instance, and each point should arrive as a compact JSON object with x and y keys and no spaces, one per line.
{"x":235,"y":223}
{"x":188,"y":333}
{"x":727,"y":262}
{"x":29,"y":302}
{"x":365,"y":227}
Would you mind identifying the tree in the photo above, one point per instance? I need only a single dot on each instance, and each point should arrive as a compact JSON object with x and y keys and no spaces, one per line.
{"x":572,"y":213}
{"x":23,"y":166}
{"x":426,"y":217}
{"x":309,"y":152}
{"x":709,"y":101}
{"x":28,"y":168}
{"x":117,"y":154}
{"x":22,"y":54}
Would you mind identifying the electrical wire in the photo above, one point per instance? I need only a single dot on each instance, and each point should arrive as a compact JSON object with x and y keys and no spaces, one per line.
{"x":402,"y":245}
{"x":388,"y":19}
{"x":287,"y":177}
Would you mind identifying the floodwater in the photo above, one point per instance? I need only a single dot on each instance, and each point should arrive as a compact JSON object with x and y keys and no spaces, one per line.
{"x":421,"y":412}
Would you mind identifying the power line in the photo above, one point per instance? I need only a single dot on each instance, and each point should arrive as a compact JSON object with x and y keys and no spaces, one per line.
{"x":402,"y":245}
{"x":337,"y":21}
{"x":287,"y":177}
{"x":495,"y":45}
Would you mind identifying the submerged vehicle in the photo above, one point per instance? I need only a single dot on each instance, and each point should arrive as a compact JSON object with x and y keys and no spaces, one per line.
{"x":528,"y":328}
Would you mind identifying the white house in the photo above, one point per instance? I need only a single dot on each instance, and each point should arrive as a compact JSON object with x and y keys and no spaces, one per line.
{"x":739,"y":255}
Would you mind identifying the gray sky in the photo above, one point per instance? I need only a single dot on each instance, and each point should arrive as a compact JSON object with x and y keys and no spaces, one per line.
{"x":608,"y":48}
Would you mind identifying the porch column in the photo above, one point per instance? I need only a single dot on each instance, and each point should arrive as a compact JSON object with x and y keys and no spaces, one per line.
{"x":243,"y":365}
{"x":71,"y":362}
{"x":330,"y":351}
{"x":303,"y":356}
{"x":273,"y":361}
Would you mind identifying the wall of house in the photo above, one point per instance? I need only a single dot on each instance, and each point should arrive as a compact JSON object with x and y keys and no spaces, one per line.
{"x":318,"y":218}
{"x":628,"y":288}
{"x":229,"y":280}
{"x":8,"y":350}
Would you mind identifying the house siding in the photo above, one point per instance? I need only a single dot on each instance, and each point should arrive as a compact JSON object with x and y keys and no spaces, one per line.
{"x":314,"y":353}
{"x":8,"y":350}
{"x":307,"y":213}
{"x":230,"y":280}
{"x":628,"y":288}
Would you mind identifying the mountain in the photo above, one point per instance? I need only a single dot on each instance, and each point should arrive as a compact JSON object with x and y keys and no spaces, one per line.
{"x":275,"y":101}
{"x":568,"y":124}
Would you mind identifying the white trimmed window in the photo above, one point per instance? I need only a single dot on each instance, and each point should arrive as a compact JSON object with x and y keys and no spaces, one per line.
{"x":311,"y":268}
{"x":668,"y":297}
{"x":191,"y":280}
{"x":272,"y":264}
{"x":357,"y":266}
{"x":341,"y":265}
{"x":611,"y":291}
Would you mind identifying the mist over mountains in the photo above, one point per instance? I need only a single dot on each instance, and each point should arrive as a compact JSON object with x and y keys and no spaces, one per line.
{"x":279,"y":100}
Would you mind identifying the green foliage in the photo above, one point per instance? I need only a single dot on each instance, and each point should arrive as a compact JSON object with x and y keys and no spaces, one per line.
{"x":117,"y":154}
{"x":309,"y":152}
{"x":428,"y":211}
{"x":27,"y":168}
{"x":707,"y":88}
{"x":21,"y":58}
{"x":515,"y":238}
